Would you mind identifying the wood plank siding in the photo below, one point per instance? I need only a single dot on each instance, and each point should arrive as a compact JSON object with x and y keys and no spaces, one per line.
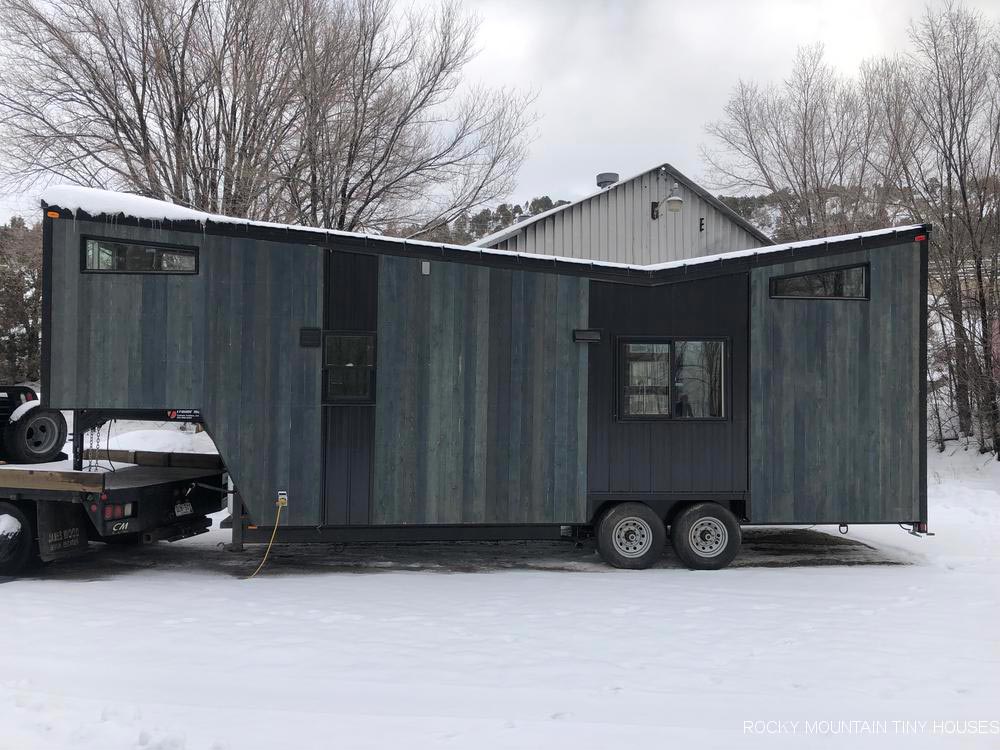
{"x":617,"y":225}
{"x":224,"y":340}
{"x":835,"y":396}
{"x":480,"y":412}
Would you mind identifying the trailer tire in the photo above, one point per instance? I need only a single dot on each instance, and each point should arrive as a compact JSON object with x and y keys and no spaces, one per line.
{"x":37,"y":437}
{"x":16,"y":549}
{"x":706,"y":536}
{"x":631,"y":535}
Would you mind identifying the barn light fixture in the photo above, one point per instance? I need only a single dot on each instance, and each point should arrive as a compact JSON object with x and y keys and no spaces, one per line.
{"x":674,"y":203}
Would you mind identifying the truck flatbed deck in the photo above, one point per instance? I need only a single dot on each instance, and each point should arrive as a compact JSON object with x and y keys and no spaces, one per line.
{"x":126,"y":474}
{"x":123,"y":496}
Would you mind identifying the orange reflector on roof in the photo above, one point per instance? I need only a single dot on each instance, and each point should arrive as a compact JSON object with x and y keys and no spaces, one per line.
{"x":52,"y":214}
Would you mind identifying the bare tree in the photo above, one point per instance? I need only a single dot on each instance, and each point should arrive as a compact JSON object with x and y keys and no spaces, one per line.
{"x":20,"y":301}
{"x":912,"y":139}
{"x":806,"y":144}
{"x":338,"y":113}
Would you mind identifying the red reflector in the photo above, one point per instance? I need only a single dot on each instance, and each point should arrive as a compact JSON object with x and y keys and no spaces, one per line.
{"x":93,"y":507}
{"x":30,"y":396}
{"x":119,"y":511}
{"x":920,"y":238}
{"x":107,"y":512}
{"x":104,"y":497}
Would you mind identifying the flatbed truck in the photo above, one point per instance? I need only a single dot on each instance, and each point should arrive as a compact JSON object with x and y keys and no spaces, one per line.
{"x":52,"y":511}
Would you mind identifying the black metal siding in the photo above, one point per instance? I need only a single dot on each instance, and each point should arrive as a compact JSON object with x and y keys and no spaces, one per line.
{"x":349,"y":429}
{"x":663,"y":456}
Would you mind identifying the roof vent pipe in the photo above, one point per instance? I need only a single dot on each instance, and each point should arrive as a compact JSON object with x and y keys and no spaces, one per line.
{"x":605,"y":179}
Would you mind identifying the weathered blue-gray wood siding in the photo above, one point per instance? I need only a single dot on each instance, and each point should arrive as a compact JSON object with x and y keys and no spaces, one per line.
{"x":481,"y":399}
{"x":835,"y":396}
{"x":224,"y":340}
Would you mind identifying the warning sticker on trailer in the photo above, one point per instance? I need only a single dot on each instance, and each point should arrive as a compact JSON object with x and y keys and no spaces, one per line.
{"x":183,"y":509}
{"x":184,"y":415}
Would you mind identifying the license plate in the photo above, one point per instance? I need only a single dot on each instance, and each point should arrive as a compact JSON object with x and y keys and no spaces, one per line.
{"x":183,"y":509}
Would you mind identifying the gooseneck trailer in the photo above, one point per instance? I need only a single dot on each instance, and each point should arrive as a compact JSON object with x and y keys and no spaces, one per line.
{"x":403,"y":390}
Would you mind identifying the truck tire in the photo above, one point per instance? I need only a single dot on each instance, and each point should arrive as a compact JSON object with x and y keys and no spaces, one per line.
{"x":706,"y":536}
{"x":631,"y":536}
{"x":35,"y":438}
{"x":16,"y":539}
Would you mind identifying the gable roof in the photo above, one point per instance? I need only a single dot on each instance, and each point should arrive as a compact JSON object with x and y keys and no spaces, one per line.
{"x":91,"y":204}
{"x":677,"y":175}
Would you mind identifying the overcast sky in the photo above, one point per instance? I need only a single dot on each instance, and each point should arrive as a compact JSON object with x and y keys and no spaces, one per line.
{"x":624,"y":85}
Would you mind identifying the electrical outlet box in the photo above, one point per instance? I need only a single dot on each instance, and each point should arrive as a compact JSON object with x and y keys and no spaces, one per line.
{"x":282,"y":499}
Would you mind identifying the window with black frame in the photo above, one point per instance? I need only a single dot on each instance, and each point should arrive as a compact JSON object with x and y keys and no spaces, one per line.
{"x":121,"y":256}
{"x":672,"y":379}
{"x":646,"y":391}
{"x":348,"y":368}
{"x":697,"y":380}
{"x":849,"y":282}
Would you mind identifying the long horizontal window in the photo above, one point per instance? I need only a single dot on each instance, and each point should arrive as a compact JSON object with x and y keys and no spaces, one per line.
{"x":850,"y":282}
{"x":672,"y":379}
{"x":119,"y":256}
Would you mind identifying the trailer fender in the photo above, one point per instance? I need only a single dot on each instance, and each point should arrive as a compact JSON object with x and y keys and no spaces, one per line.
{"x":22,"y":410}
{"x":62,"y":529}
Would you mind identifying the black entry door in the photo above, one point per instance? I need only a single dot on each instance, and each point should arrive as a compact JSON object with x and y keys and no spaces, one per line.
{"x":350,"y":320}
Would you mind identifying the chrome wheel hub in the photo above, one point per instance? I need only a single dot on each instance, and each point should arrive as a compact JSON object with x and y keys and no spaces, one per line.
{"x":632,"y":537}
{"x":708,"y":537}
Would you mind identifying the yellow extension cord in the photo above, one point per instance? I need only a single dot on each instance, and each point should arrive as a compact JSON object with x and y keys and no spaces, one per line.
{"x":277,"y":518}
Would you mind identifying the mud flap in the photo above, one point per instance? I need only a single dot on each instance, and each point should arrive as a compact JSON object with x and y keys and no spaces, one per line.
{"x":62,"y":529}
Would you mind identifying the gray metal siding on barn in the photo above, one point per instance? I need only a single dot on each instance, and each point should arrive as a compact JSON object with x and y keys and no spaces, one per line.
{"x":616,"y":225}
{"x":480,"y":413}
{"x":224,"y":341}
{"x":835,"y":429}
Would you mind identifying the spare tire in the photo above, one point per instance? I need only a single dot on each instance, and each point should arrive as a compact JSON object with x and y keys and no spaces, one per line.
{"x":35,"y":438}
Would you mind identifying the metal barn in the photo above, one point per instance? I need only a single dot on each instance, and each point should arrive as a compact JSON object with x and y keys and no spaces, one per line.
{"x":408,"y":390}
{"x":657,"y":216}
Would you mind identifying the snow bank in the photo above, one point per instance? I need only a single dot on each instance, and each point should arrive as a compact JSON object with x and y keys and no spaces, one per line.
{"x":9,"y":526}
{"x":415,"y":651}
{"x":165,"y":440}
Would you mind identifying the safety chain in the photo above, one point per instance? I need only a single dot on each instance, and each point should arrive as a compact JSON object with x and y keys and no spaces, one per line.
{"x":92,"y":436}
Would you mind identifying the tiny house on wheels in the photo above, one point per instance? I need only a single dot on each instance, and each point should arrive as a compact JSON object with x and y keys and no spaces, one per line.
{"x":401,"y":390}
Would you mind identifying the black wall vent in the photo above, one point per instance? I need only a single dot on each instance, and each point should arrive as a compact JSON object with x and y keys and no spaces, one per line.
{"x":587,"y":335}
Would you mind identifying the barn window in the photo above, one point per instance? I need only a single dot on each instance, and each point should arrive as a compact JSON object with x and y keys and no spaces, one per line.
{"x":348,"y":368}
{"x":672,"y":379}
{"x":848,"y":282}
{"x":120,"y":256}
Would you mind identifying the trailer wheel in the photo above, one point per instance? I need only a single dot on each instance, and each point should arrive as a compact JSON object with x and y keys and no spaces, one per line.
{"x":36,"y":437}
{"x":706,"y":536}
{"x":631,"y":536}
{"x":16,"y":539}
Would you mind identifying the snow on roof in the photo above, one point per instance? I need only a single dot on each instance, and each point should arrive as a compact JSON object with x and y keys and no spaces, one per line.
{"x":508,"y":232}
{"x":95,"y":202}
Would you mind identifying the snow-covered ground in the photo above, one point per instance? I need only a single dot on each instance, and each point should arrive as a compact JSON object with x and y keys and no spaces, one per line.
{"x":520,"y":645}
